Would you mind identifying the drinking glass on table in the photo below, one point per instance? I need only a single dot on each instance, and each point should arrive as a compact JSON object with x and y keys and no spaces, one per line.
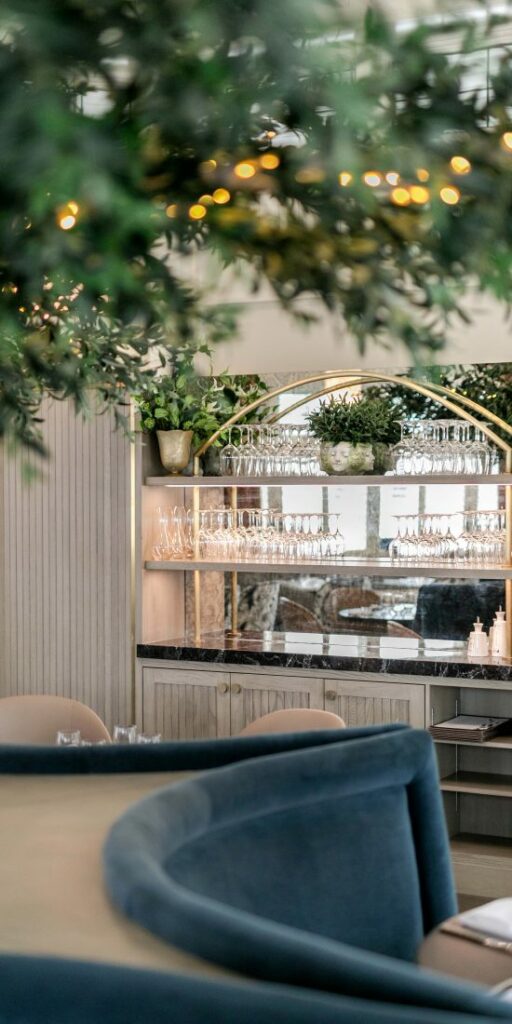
{"x":144,"y":737}
{"x":68,"y":738}
{"x":125,"y":734}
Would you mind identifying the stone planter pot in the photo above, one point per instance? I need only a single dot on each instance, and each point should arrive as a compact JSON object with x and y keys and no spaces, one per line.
{"x":175,"y":448}
{"x":346,"y":459}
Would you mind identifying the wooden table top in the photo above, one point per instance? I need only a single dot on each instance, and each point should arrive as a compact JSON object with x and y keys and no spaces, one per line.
{"x":52,"y":897}
{"x":462,"y":958}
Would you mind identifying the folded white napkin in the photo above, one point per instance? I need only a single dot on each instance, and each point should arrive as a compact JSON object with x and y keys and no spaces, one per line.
{"x":493,"y":919}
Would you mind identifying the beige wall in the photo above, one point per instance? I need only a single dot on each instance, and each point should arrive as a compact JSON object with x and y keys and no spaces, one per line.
{"x":65,"y":568}
{"x":269,"y":341}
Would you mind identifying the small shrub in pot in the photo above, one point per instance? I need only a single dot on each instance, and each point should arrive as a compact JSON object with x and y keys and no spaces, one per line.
{"x":355,"y":436}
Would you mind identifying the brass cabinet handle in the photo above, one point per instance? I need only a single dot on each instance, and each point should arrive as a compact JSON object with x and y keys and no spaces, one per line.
{"x":223,"y":687}
{"x":330,"y":694}
{"x":236,"y":688}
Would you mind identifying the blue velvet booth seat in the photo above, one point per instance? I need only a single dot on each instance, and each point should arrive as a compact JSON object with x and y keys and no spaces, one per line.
{"x":173,"y":756}
{"x":321,"y":867}
{"x":44,"y":990}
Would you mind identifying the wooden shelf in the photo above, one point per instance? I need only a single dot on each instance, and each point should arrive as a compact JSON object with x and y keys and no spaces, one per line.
{"x":482,"y":865}
{"x":323,"y":481}
{"x":468,"y":846}
{"x":498,"y":743}
{"x":469,"y":843}
{"x":346,"y":567}
{"x":479,"y":783}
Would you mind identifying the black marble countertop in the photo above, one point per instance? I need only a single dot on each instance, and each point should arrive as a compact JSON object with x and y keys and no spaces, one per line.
{"x":337,"y":652}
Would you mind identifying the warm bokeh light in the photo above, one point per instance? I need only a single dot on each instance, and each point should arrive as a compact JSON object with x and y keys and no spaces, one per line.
{"x":207,"y":166}
{"x":392,"y":177}
{"x":309,"y":175}
{"x":221,"y":196}
{"x":245,"y":169}
{"x":450,"y":195}
{"x":206,"y":200}
{"x":345,"y":178}
{"x":66,"y":215}
{"x":269,"y":161}
{"x":400,"y":196}
{"x":197,"y":211}
{"x":372,"y":178}
{"x":419,"y":194}
{"x":66,"y":221}
{"x":506,"y":140}
{"x":422,"y":174}
{"x":271,"y":134}
{"x":460,"y":165}
{"x":171,"y":210}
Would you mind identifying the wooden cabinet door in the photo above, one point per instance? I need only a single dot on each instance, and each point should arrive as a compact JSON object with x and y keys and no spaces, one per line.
{"x":256,"y":695}
{"x":361,"y":702}
{"x":184,"y":705}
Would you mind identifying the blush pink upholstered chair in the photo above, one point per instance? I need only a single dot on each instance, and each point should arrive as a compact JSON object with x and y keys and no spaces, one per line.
{"x":293,"y":720}
{"x":36,"y":719}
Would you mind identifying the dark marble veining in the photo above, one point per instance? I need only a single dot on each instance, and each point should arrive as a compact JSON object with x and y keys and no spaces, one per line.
{"x":338,"y":652}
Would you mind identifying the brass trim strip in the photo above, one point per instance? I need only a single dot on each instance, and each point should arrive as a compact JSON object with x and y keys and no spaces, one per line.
{"x":133,"y":564}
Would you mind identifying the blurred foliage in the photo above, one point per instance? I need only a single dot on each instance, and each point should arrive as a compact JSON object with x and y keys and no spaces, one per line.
{"x":488,"y":384}
{"x":136,"y":133}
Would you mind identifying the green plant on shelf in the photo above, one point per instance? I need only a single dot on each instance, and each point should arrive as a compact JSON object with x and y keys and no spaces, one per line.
{"x":182,"y":400}
{"x":234,"y":393}
{"x":355,"y":435}
{"x":360,"y":421}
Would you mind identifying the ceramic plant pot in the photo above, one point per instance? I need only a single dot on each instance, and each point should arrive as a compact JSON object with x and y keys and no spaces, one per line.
{"x":175,"y":447}
{"x":346,"y":459}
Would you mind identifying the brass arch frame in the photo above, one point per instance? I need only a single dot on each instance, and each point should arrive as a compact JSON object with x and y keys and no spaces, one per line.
{"x":349,"y":378}
{"x":467,"y":402}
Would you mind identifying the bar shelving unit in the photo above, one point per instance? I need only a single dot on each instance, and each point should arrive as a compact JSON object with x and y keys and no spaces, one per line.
{"x":475,"y":779}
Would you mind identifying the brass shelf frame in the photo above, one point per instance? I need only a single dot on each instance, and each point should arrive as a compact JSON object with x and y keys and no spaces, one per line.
{"x":461,"y":406}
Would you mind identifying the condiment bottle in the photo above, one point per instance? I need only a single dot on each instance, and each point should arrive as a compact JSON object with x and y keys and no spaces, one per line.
{"x":478,"y":643}
{"x":499,"y":635}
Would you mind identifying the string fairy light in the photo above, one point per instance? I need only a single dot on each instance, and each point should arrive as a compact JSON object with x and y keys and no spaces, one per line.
{"x":450,"y":195}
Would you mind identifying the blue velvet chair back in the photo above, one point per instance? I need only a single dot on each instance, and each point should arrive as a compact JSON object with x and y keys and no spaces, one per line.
{"x":172,"y":756}
{"x":347,"y":841}
{"x":40,"y":990}
{"x":319,"y":868}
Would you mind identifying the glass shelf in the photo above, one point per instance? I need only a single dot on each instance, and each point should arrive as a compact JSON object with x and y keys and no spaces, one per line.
{"x":324,"y":481}
{"x":346,"y":567}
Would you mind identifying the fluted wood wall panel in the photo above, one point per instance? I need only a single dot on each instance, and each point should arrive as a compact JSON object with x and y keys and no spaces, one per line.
{"x":65,"y":621}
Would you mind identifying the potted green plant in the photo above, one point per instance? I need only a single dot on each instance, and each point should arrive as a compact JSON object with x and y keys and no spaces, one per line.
{"x":184,"y":409}
{"x":231,"y":394}
{"x":355,"y":435}
{"x":180,"y":408}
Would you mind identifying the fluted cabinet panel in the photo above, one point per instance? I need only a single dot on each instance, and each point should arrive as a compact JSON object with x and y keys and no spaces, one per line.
{"x":367,"y":702}
{"x":65,"y":619}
